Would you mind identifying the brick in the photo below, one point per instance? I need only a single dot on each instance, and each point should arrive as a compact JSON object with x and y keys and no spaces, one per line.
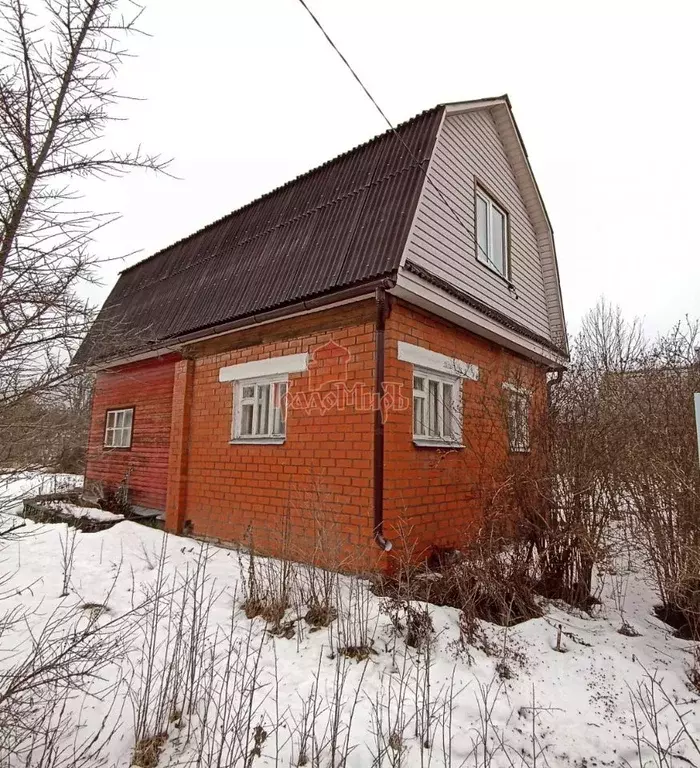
{"x":321,"y":478}
{"x":436,"y":492}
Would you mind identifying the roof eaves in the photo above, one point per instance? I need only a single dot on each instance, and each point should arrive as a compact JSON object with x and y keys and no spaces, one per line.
{"x":485,"y":309}
{"x":385,"y":279}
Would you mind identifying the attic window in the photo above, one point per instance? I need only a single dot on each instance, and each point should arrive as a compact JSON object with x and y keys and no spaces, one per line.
{"x":491,"y":233}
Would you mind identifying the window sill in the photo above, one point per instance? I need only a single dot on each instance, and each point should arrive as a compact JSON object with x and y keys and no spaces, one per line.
{"x":495,"y":272}
{"x":257,"y":441}
{"x":425,"y":442}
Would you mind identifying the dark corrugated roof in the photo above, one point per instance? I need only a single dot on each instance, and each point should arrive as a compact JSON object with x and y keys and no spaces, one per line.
{"x":339,"y":225}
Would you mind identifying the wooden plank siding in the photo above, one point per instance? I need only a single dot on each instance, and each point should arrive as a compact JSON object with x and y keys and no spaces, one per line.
{"x":469,"y":150}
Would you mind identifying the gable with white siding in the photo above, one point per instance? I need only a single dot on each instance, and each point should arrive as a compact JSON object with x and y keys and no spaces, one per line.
{"x":479,"y":145}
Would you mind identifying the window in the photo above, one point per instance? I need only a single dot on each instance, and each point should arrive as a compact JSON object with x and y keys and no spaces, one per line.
{"x":118,"y":428}
{"x":491,"y":233}
{"x":437,"y":395}
{"x":260,"y":410}
{"x":519,"y":420}
{"x":436,"y":408}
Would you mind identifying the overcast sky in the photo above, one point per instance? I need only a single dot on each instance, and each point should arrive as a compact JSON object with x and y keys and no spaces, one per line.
{"x":246,"y":94}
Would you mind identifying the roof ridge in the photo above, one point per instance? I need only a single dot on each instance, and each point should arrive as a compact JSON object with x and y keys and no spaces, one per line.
{"x":286,"y":184}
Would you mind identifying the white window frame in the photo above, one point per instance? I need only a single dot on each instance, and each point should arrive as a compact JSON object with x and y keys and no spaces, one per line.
{"x":518,"y":423}
{"x":276,"y":427}
{"x":449,"y":370}
{"x":119,"y":427}
{"x":450,"y":436}
{"x":487,"y":258}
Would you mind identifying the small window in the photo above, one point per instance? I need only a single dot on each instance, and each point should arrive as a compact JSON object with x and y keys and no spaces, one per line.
{"x":118,"y":428}
{"x":491,"y":233}
{"x":260,"y":410}
{"x":519,"y":421}
{"x":436,"y":408}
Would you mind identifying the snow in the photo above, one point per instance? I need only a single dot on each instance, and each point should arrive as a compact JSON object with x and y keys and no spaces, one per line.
{"x":580,"y":699}
{"x":91,"y":513}
{"x":16,"y":486}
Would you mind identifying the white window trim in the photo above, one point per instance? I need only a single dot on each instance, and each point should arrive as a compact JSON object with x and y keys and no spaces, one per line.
{"x":115,"y":429}
{"x":487,"y":258}
{"x":272,"y":366}
{"x":425,"y":441}
{"x":434,"y":361}
{"x":514,"y":389}
{"x":236,"y":437}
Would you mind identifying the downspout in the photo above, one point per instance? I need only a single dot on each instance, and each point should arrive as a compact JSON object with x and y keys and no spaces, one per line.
{"x":382,"y":314}
{"x":551,"y":383}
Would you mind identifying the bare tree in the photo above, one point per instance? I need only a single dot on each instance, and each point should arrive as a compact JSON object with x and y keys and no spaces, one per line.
{"x":608,"y":341}
{"x":57,"y":97}
{"x":48,"y":429}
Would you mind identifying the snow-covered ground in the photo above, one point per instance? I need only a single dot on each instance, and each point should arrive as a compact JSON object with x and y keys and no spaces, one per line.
{"x":15,"y":486}
{"x":570,"y":708}
{"x":67,"y":509}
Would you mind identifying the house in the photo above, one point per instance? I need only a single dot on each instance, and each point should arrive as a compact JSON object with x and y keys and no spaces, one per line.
{"x":313,"y":370}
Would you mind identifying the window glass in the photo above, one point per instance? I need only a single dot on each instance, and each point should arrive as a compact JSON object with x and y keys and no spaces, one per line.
{"x":482,"y":228}
{"x":436,"y":414}
{"x":498,"y":240}
{"x":491,"y":234}
{"x":261,"y":409}
{"x":433,"y":407}
{"x":519,"y":422}
{"x":447,"y":409}
{"x":280,"y":404}
{"x":118,"y":425}
{"x":247,"y":418}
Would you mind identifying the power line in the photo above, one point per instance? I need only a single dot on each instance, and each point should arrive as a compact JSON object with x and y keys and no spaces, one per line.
{"x":397,"y":134}
{"x":354,"y":74}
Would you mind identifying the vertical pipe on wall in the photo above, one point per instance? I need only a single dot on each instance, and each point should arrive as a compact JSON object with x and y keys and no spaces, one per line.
{"x":382,"y":313}
{"x":551,"y":383}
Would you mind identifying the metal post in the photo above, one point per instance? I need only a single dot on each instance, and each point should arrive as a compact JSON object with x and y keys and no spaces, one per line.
{"x":697,"y":418}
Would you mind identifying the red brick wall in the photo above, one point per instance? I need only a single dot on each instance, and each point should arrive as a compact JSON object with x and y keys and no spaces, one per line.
{"x":319,"y":482}
{"x":314,"y":492}
{"x":148,"y":387}
{"x":437,"y":494}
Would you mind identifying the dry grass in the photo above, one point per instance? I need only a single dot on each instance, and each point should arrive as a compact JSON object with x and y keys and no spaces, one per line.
{"x":494,"y":585}
{"x":357,"y":652}
{"x":269,"y":609}
{"x":147,"y":751}
{"x":320,"y":615}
